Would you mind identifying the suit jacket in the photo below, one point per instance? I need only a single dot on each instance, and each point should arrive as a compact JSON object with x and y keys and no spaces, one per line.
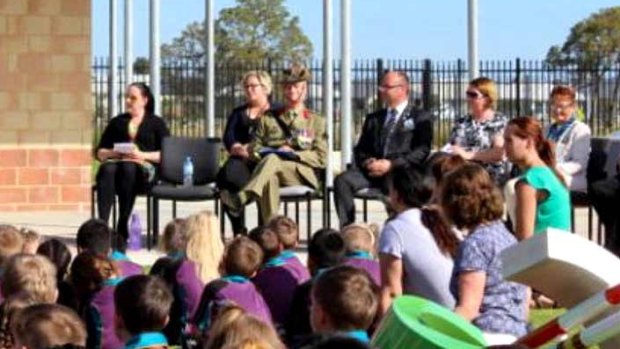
{"x":410,"y":141}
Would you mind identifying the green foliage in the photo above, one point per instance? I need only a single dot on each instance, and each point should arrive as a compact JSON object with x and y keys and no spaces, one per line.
{"x":593,"y":42}
{"x":250,"y":32}
{"x":141,"y":65}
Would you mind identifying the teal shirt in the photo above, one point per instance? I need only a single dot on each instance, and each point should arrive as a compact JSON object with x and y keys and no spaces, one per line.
{"x":554,"y":211}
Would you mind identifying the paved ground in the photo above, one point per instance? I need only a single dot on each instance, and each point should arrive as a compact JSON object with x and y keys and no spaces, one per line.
{"x":64,"y":225}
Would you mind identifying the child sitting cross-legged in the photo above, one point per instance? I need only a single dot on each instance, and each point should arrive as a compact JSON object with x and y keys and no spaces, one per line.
{"x":359,"y":242}
{"x":142,"y":310}
{"x":242,"y":258}
{"x":344,"y":302}
{"x":282,"y":271}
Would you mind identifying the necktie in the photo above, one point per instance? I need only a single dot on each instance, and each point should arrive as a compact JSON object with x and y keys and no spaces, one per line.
{"x":387,"y":129}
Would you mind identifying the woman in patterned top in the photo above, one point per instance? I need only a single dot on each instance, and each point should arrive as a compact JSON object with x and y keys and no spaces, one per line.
{"x":478,"y":136}
{"x":473,"y":203}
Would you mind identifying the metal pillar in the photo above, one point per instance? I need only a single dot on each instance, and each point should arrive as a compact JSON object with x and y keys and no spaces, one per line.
{"x":210,"y":73}
{"x":113,"y":71}
{"x":155,"y":57}
{"x":128,"y":42}
{"x":328,"y":87}
{"x":345,"y":83}
{"x":472,"y":38}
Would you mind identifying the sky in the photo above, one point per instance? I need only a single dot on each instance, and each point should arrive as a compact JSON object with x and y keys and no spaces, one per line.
{"x":398,"y":29}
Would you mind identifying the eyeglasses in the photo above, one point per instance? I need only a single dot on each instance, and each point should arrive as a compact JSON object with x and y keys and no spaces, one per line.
{"x":474,"y":94}
{"x":384,"y":88}
{"x":561,"y":106}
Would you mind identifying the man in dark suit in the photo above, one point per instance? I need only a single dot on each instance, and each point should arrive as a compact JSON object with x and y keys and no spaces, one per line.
{"x":399,"y":133}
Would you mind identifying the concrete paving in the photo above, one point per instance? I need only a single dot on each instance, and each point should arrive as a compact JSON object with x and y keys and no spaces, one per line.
{"x":64,"y":225}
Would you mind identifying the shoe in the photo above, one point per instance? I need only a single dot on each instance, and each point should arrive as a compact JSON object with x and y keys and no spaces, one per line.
{"x":232,"y":203}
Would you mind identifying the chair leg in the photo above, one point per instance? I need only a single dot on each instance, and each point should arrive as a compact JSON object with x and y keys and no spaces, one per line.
{"x":365,"y":204}
{"x":222,"y":218}
{"x":286,"y":209}
{"x":308,"y":218}
{"x":297,"y":211}
{"x":174,"y":209}
{"x":148,"y":221}
{"x":216,"y":204}
{"x":93,"y":192}
{"x":114,"y":214}
{"x":155,"y":221}
{"x":589,"y":222}
{"x":572,"y":219}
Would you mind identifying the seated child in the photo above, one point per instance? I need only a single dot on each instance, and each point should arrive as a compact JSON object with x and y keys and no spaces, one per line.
{"x":11,"y":243}
{"x":282,"y":271}
{"x":241,"y":261}
{"x":172,"y":242}
{"x":94,"y":278}
{"x":359,"y":242}
{"x":58,"y":253}
{"x":32,"y":239}
{"x":235,"y":328}
{"x":143,"y":305}
{"x":48,"y":326}
{"x":344,"y":302}
{"x":94,"y":235}
{"x":32,"y":276}
{"x":325,"y":250}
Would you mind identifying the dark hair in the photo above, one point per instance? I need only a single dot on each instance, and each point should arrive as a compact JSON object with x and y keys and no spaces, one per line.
{"x":442,"y":163}
{"x":49,"y":326}
{"x":325,"y":249}
{"x":564,"y":91}
{"x":323,"y":341}
{"x":94,"y":236}
{"x":89,"y":271}
{"x":286,"y":230}
{"x":415,"y":189}
{"x":143,"y":302}
{"x":469,"y":197}
{"x":145,"y":90}
{"x":349,"y":297}
{"x":267,"y":239}
{"x":242,"y":257}
{"x":528,"y":127}
{"x":58,"y":253}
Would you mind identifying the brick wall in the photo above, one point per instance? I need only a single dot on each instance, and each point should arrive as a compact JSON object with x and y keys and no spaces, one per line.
{"x":45,"y":105}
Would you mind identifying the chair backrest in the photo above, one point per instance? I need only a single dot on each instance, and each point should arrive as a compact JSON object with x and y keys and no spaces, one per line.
{"x":604,"y":153}
{"x":205,"y":154}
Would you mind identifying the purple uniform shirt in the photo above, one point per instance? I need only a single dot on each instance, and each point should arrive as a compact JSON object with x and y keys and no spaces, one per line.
{"x":100,"y":315}
{"x":236,"y":289}
{"x":127,"y":267}
{"x":277,"y":282}
{"x":370,"y":265}
{"x":190,"y":286}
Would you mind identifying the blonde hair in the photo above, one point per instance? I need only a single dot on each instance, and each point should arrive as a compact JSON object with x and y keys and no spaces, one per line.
{"x":11,"y":242}
{"x":48,"y":325}
{"x":359,"y":237}
{"x":243,"y":331}
{"x":33,"y":275}
{"x":488,"y":88}
{"x":204,"y":246}
{"x":8,"y":311}
{"x":32,"y":239}
{"x":262,"y":77}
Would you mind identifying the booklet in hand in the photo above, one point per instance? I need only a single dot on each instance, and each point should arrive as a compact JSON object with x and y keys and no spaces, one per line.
{"x":124,"y":148}
{"x":286,"y":155}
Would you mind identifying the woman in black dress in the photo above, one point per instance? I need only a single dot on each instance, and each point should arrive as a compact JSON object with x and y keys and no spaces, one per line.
{"x":240,"y":130}
{"x":127,"y":169}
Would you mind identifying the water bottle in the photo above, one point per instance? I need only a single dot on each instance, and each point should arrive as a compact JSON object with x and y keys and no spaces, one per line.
{"x":188,"y":172}
{"x":135,"y":232}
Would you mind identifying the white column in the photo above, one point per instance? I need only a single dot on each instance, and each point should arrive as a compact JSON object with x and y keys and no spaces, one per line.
{"x":155,"y":57}
{"x":113,"y":71}
{"x":210,"y":70}
{"x":345,"y":83}
{"x":472,"y":38}
{"x":328,"y":87}
{"x":128,"y":42}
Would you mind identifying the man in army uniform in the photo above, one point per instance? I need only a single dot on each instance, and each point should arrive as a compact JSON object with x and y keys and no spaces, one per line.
{"x":290,"y":144}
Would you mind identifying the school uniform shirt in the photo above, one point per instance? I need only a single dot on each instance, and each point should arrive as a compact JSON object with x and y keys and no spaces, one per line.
{"x":363,"y":260}
{"x":99,"y":317}
{"x":127,"y":267}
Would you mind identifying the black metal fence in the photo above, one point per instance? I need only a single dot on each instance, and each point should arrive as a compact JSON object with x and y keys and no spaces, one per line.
{"x":439,"y":87}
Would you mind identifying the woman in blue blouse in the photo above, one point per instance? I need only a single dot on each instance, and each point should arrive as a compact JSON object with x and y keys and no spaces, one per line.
{"x":239,"y":131}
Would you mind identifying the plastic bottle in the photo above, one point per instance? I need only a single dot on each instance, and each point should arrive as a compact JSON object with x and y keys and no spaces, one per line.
{"x":135,"y":232}
{"x":188,"y":172}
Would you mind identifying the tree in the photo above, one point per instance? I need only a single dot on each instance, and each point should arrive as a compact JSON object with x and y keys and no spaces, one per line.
{"x":593,"y":48}
{"x":250,"y":32}
{"x":141,"y":65}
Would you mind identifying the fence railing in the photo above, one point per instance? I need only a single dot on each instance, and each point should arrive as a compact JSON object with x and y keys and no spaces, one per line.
{"x":439,"y":87}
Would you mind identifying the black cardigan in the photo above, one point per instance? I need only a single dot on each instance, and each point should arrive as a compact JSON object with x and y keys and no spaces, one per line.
{"x":151,"y":133}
